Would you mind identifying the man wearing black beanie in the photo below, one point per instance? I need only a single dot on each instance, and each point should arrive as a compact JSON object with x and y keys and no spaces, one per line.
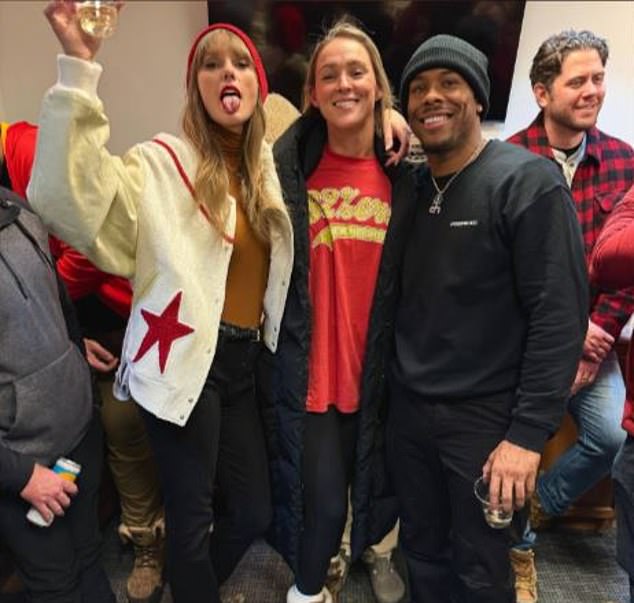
{"x":489,"y":330}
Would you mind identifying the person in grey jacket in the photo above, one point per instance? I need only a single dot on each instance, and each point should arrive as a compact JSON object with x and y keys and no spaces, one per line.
{"x":46,"y":412}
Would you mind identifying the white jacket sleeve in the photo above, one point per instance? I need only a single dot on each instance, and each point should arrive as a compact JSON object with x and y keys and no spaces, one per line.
{"x":86,"y":196}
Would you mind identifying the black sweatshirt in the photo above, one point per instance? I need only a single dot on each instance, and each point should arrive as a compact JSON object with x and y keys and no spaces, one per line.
{"x":494,"y":291}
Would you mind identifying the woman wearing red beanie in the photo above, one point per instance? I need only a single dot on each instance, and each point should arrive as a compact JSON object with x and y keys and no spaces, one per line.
{"x":199,"y":226}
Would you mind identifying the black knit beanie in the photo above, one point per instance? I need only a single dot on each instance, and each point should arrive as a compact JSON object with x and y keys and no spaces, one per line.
{"x":443,"y":51}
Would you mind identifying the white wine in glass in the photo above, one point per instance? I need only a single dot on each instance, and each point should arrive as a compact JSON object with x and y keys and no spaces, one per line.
{"x":98,"y":18}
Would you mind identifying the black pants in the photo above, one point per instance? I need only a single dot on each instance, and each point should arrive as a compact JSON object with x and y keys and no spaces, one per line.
{"x":328,"y":462}
{"x":435,"y":453}
{"x":62,"y":563}
{"x":217,"y":460}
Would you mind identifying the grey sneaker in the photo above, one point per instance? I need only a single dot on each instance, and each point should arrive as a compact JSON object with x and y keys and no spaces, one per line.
{"x":387,"y":585}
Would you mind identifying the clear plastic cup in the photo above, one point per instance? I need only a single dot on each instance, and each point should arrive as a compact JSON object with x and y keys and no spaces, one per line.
{"x":98,"y":18}
{"x":496,"y":518}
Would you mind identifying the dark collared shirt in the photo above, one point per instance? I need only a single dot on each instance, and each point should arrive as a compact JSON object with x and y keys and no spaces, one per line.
{"x":601,"y":180}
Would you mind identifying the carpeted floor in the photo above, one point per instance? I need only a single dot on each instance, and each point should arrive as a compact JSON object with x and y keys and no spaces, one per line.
{"x":581,"y":568}
{"x":572,"y":568}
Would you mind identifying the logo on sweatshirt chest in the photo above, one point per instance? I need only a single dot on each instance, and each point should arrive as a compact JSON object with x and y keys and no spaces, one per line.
{"x":463,"y":223}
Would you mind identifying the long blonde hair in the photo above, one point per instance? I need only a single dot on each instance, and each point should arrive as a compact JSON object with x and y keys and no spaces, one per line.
{"x":345,"y":28}
{"x":211,"y":183}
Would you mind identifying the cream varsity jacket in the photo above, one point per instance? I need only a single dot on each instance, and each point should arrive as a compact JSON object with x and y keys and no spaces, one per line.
{"x":135,"y":216}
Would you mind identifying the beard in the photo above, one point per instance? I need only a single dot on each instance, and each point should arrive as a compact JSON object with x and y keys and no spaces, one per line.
{"x":566,"y":118}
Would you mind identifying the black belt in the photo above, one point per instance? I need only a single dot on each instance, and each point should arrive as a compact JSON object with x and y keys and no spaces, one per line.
{"x":237,"y":333}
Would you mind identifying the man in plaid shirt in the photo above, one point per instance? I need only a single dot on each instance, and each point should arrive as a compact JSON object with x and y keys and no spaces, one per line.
{"x":567,"y":76}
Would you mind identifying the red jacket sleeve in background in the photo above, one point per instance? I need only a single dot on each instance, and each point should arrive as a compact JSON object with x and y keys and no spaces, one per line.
{"x":612,"y":261}
{"x":19,"y":152}
{"x":612,"y":265}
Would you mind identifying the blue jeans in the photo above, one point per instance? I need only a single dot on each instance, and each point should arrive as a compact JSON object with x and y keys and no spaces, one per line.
{"x":597,"y":411}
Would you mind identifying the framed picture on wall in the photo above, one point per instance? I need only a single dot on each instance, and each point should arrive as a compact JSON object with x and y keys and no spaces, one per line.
{"x":285,"y":33}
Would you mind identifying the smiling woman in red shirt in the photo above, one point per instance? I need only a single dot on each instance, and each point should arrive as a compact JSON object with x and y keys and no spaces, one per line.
{"x":347,"y":208}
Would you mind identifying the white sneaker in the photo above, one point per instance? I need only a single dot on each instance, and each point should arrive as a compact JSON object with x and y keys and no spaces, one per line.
{"x":295,"y":596}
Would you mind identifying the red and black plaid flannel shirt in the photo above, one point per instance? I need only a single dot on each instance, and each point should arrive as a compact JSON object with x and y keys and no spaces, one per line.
{"x":602,"y":178}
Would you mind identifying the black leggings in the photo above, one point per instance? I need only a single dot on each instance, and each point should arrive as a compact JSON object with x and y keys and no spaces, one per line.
{"x":214,"y":477}
{"x":328,"y":463}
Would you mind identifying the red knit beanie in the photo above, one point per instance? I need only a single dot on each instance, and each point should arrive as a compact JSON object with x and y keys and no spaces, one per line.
{"x":255,"y":55}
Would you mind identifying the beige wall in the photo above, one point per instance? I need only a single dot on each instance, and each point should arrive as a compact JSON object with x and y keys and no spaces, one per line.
{"x":144,"y":65}
{"x":612,"y":20}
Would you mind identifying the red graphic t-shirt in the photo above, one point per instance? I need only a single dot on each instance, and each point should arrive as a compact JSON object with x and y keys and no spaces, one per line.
{"x":349,"y":209}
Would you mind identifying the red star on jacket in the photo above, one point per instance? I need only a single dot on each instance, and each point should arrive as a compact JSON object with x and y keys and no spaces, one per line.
{"x":163,"y":329}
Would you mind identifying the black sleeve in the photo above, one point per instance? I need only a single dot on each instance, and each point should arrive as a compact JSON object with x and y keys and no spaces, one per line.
{"x":73,"y":327}
{"x":15,"y":470}
{"x":552,"y":286}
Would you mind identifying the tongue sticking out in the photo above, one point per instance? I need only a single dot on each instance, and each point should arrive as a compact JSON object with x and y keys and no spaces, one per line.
{"x":231,"y":103}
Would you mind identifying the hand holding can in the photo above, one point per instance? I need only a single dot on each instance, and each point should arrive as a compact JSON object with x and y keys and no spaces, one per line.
{"x":66,"y":469}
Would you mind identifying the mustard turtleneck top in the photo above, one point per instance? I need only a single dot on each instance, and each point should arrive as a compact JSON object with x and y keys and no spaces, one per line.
{"x":249,"y":265}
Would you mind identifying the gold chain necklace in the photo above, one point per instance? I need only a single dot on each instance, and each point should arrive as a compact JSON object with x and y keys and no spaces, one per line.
{"x":439,"y":197}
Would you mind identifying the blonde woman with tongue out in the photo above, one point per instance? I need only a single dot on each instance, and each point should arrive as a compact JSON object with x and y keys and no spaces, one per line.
{"x":199,"y":226}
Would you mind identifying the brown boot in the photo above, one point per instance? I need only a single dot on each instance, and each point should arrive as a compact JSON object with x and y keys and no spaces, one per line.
{"x":523,"y":563}
{"x":538,"y":518}
{"x":337,"y":573}
{"x":145,"y":582}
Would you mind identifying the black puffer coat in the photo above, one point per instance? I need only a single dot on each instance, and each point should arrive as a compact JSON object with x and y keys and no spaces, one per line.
{"x":297,"y":154}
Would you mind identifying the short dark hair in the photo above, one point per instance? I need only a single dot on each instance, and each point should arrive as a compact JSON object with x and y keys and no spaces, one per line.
{"x":551,"y":54}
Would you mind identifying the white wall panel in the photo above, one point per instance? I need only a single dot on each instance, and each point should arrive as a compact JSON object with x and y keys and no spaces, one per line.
{"x":611,"y":20}
{"x":144,"y":65}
